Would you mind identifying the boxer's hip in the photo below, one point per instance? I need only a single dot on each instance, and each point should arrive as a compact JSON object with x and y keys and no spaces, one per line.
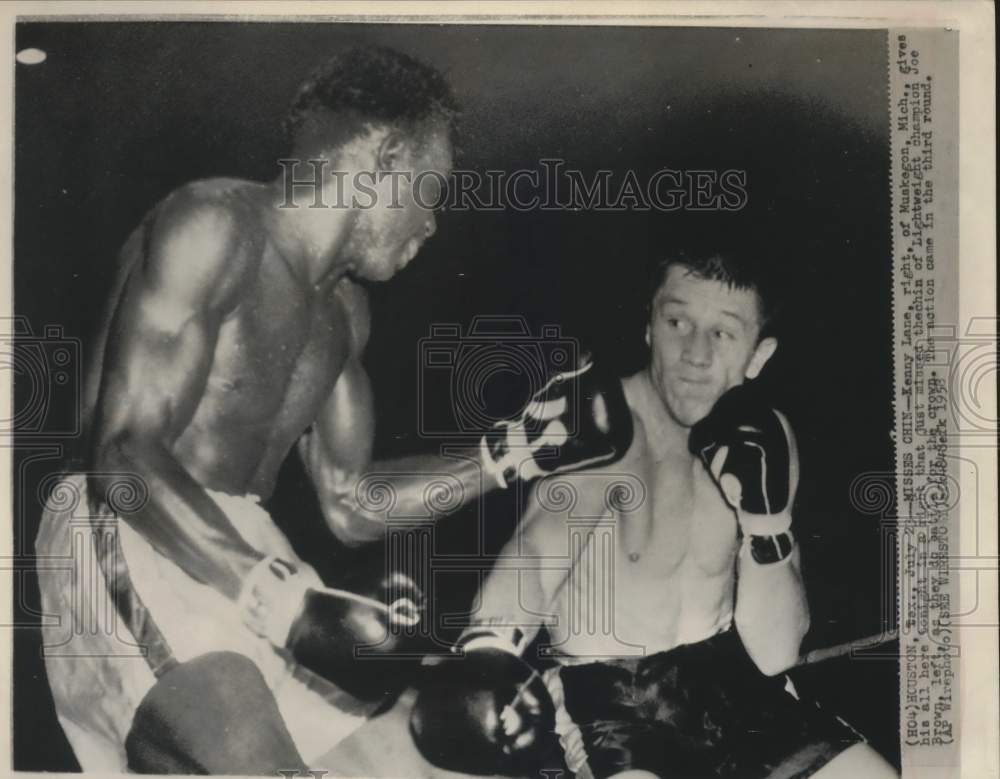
{"x":118,"y":614}
{"x":698,"y":710}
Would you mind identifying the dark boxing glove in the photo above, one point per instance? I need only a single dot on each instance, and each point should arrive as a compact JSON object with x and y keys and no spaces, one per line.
{"x":322,"y":627}
{"x":579,"y":419}
{"x":744,"y":444}
{"x":488,"y":713}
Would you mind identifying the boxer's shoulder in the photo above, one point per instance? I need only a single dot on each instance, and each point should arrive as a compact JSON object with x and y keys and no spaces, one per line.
{"x":204,"y":237}
{"x":223,"y":203}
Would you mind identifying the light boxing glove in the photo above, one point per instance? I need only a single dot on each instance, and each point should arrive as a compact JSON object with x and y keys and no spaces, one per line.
{"x":487,"y":713}
{"x":579,"y":419}
{"x":359,"y":640}
{"x":745,"y":445}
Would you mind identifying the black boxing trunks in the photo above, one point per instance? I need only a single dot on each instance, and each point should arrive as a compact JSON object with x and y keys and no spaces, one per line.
{"x":699,"y":710}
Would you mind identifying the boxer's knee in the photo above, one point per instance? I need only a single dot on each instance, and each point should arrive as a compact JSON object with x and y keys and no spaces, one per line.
{"x":214,"y":714}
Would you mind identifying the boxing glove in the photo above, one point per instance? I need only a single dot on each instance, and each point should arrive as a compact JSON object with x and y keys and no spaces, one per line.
{"x":360,"y":640}
{"x":579,"y":419}
{"x":487,"y":713}
{"x":745,"y":446}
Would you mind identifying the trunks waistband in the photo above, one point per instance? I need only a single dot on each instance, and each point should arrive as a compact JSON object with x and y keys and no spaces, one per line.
{"x":725,"y":639}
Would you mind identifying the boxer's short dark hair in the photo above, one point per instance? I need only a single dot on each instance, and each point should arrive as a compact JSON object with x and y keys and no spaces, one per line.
{"x":366,"y":85}
{"x":736,"y":269}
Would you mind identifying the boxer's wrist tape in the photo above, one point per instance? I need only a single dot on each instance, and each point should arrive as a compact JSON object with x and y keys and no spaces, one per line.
{"x":765,"y":524}
{"x":518,"y":463}
{"x":495,"y":468}
{"x":279,"y":599}
{"x":768,"y":550}
{"x":269,"y":568}
{"x":510,"y":640}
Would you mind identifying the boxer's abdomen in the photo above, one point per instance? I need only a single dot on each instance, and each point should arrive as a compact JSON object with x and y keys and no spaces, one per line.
{"x":655,"y":571}
{"x":605,"y":611}
{"x":274,"y":366}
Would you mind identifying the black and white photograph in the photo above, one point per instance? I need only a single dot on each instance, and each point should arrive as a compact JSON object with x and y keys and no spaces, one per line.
{"x":453,"y":397}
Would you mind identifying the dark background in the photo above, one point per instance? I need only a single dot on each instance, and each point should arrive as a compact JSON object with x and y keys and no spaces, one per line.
{"x":121,"y":113}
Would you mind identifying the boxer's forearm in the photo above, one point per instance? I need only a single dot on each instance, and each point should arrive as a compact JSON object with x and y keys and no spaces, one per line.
{"x":772,"y":614}
{"x":429,"y":485}
{"x":178,"y":518}
{"x":358,"y":507}
{"x":506,"y":612}
{"x":512,"y":600}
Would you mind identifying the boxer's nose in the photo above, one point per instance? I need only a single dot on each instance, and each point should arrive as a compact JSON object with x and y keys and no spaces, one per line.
{"x":698,"y":349}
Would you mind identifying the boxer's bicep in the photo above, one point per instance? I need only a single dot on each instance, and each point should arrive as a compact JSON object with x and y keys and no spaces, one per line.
{"x":154,"y":377}
{"x":337,"y":452}
{"x":345,"y":428}
{"x":163,"y":334}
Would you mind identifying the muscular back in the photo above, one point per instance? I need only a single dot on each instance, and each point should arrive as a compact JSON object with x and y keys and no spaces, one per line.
{"x":214,"y":344}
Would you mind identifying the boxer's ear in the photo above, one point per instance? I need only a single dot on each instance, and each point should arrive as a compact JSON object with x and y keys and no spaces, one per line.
{"x":392,"y":150}
{"x":648,"y":344}
{"x":765,"y":348}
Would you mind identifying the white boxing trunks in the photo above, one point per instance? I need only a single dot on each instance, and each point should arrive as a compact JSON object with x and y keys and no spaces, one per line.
{"x":117,"y":614}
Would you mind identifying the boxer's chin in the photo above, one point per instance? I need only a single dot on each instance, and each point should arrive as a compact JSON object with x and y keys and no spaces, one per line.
{"x":386,"y":265}
{"x":687,"y":410}
{"x":378,"y":269}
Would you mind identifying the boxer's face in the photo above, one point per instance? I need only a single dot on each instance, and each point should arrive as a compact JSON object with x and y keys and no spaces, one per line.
{"x":703,"y":337}
{"x":388,"y":235}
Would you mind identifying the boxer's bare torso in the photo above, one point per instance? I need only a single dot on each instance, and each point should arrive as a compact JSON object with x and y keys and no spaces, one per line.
{"x":236,"y":326}
{"x":281,"y":342}
{"x":657,"y":569}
